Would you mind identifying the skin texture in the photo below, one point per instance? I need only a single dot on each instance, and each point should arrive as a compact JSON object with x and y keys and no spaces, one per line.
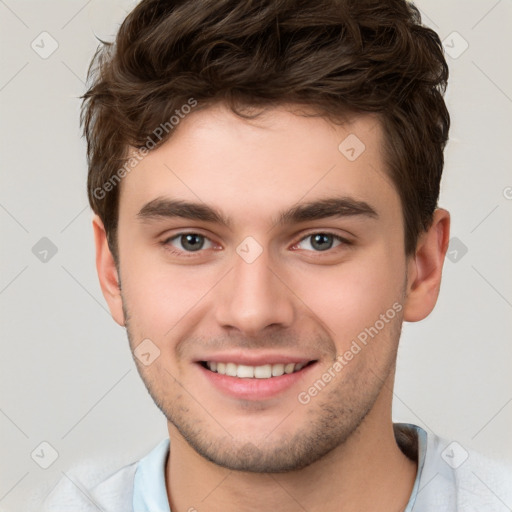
{"x":275,"y":453}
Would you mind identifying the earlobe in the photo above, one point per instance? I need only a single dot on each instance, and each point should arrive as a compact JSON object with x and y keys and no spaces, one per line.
{"x":425,"y":268}
{"x":107,"y":272}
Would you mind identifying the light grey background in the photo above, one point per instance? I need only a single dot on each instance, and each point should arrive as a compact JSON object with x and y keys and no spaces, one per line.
{"x":66,"y":374}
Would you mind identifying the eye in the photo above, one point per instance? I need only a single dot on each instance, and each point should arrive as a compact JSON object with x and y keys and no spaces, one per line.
{"x":320,"y":242}
{"x":188,"y":242}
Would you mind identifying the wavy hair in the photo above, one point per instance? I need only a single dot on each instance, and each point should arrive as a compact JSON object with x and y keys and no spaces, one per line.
{"x":336,"y":56}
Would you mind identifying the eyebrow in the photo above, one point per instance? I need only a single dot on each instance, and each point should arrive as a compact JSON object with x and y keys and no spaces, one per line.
{"x":164,"y":208}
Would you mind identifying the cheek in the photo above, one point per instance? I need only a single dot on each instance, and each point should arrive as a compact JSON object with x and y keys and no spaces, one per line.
{"x":158,"y":295}
{"x":352,"y":296}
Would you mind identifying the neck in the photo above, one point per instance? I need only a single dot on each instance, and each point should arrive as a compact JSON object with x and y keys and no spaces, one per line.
{"x":368,"y":472}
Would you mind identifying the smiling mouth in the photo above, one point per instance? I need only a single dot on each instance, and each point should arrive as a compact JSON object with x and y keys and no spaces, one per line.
{"x":242,"y":371}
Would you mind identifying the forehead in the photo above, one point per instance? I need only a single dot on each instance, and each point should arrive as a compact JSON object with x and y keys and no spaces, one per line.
{"x":261,"y":166}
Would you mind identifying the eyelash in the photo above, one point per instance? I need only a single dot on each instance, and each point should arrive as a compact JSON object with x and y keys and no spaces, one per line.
{"x":192,"y":254}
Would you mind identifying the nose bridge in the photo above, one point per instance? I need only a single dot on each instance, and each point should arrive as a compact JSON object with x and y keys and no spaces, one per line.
{"x":253,"y":297}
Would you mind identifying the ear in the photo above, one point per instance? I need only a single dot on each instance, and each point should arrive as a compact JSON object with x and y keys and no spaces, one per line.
{"x":107,"y":272}
{"x":425,"y":268}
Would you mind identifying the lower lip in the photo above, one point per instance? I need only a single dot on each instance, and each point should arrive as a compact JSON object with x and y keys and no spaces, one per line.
{"x":254,"y":389}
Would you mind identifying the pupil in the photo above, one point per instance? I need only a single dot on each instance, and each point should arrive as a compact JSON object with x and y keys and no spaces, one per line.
{"x":322,"y":242}
{"x":192,"y":242}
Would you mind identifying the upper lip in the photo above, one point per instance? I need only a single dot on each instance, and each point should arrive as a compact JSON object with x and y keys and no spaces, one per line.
{"x":255,"y":359}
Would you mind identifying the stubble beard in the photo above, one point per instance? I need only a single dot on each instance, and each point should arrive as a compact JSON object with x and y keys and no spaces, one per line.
{"x":326,"y":423}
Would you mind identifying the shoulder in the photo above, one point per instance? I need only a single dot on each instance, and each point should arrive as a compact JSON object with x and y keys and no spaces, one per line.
{"x":89,"y":487}
{"x":106,"y":484}
{"x":483,"y":481}
{"x":465,"y":480}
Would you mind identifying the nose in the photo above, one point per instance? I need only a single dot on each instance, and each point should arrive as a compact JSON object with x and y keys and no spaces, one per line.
{"x":253,"y":297}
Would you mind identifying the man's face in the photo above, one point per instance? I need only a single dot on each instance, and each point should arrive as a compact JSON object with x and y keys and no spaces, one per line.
{"x":267,"y":293}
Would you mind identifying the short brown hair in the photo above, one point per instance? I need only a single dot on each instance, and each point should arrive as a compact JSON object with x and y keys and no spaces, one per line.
{"x":336,"y":56}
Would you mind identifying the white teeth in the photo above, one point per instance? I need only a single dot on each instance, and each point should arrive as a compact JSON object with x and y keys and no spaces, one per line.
{"x":277,"y":370}
{"x":231,"y":369}
{"x":243,"y":371}
{"x":263,"y":372}
{"x":289,"y":368}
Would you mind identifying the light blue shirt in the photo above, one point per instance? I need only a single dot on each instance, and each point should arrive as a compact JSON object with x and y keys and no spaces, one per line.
{"x":449,"y":479}
{"x":149,"y":489}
